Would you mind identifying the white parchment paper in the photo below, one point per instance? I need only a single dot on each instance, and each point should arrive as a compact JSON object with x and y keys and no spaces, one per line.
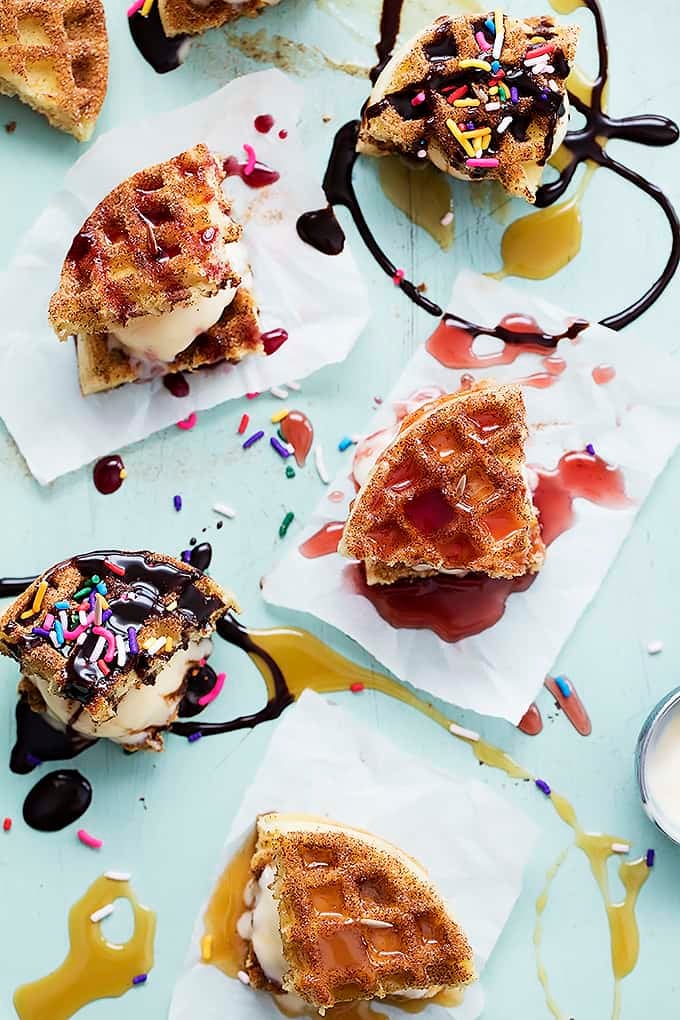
{"x":633,"y":422}
{"x":320,"y":301}
{"x":321,"y":761}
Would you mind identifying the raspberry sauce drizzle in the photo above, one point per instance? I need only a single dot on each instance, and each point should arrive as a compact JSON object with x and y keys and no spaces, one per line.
{"x":571,"y":705}
{"x":452,"y":342}
{"x":297,"y":429}
{"x":324,"y":541}
{"x":261,"y":176}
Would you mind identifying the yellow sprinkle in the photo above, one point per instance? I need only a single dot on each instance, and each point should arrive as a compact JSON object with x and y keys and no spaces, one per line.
{"x":498,"y":18}
{"x":460,"y":137}
{"x":206,"y":948}
{"x":280,"y":415}
{"x":537,"y":39}
{"x":481,"y":65}
{"x":493,"y":91}
{"x":169,"y":644}
{"x":29,"y":612}
{"x":39,"y":596}
{"x":485,"y":141}
{"x":148,"y":4}
{"x":477,"y":133}
{"x":104,"y":603}
{"x":123,"y":471}
{"x":466,"y":102}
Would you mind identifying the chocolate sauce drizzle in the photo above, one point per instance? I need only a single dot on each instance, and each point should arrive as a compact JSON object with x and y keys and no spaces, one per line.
{"x":38,"y":742}
{"x":525,"y":332}
{"x":161,"y":52}
{"x":321,"y":229}
{"x":57,"y":800}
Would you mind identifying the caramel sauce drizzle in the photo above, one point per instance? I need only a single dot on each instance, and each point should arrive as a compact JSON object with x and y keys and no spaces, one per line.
{"x":94,"y":968}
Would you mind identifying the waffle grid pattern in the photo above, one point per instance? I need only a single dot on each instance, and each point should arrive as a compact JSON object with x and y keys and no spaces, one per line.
{"x":184,"y":17}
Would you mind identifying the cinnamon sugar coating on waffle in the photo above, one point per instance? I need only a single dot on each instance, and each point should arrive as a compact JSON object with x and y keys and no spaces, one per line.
{"x":450,"y":493}
{"x":156,"y":597}
{"x":427,"y":82}
{"x":359,"y":918}
{"x":187,"y":16}
{"x":54,"y":55}
{"x":157,"y":241}
{"x":236,"y":335}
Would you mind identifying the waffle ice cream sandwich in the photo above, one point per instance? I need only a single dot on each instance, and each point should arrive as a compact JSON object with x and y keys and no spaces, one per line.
{"x":450,"y":493}
{"x":54,"y":56}
{"x":157,"y":279}
{"x":335,"y":914}
{"x":104,"y":641}
{"x":481,"y":96}
{"x":190,"y":17}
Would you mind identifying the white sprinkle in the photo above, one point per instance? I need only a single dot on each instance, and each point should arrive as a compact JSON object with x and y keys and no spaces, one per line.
{"x":80,"y":640}
{"x":552,"y":84}
{"x":542,"y":58}
{"x":279,"y":392}
{"x":103,"y":912}
{"x":654,"y":647}
{"x":293,"y":386}
{"x":548,"y":69}
{"x":82,"y":616}
{"x":504,"y":125}
{"x":493,"y":106}
{"x":460,"y":731}
{"x":479,"y":153}
{"x":171,"y":606}
{"x":620,"y":848}
{"x":154,"y":645}
{"x":224,"y":510}
{"x":371,"y":922}
{"x":120,"y":649}
{"x":321,"y":464}
{"x":243,"y":977}
{"x":98,"y":611}
{"x":421,"y":153}
{"x":498,"y":44}
{"x":118,"y":876}
{"x":446,"y":219}
{"x":53,"y":639}
{"x":98,"y":649}
{"x":63,"y":619}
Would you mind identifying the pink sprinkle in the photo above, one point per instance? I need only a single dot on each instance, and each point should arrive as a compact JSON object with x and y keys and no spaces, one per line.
{"x":418,"y":99}
{"x":217,"y":689}
{"x":110,"y":641}
{"x":251,"y":396}
{"x":89,"y":840}
{"x":71,"y":635}
{"x":482,"y":163}
{"x":187,"y":423}
{"x":482,"y":42}
{"x":49,"y":620}
{"x":133,"y":8}
{"x":252,"y":159}
{"x":398,"y":277}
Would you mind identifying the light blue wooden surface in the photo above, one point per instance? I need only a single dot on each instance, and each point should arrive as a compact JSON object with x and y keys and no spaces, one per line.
{"x":171,"y":838}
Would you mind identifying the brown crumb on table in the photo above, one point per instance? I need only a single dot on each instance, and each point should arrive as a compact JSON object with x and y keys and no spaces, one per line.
{"x":11,"y":127}
{"x":326,"y":118}
{"x":421,"y":288}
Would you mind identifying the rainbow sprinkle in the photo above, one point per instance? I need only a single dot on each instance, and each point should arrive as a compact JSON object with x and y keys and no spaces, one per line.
{"x":543,"y":786}
{"x":286,"y":523}
{"x":251,"y":440}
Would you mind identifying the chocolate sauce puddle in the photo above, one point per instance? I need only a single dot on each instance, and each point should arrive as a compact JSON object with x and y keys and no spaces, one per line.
{"x":57,"y":800}
{"x":161,"y":52}
{"x":321,"y":229}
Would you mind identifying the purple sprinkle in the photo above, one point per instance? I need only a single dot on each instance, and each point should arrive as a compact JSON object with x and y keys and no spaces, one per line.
{"x":106,"y":615}
{"x":470,"y":125}
{"x":279,"y":447}
{"x":92,"y":598}
{"x":649,"y":857}
{"x":177,"y":503}
{"x":186,"y":555}
{"x":193,"y":737}
{"x":41,"y":631}
{"x":132,"y":640}
{"x":514,"y":94}
{"x":590,"y":449}
{"x":139,"y":979}
{"x":256,"y":436}
{"x":543,"y":786}
{"x":32,"y":760}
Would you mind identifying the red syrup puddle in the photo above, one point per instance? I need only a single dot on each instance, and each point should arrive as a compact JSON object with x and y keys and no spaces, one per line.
{"x":531,"y":722}
{"x":108,"y":474}
{"x":554,"y":367}
{"x":273,"y":339}
{"x":603,"y":374}
{"x":336,"y":496}
{"x":324,"y":541}
{"x":260,"y":177}
{"x":453,"y":339}
{"x":264,"y":123}
{"x":572,"y":706}
{"x":297,"y":429}
{"x":578,"y":474}
{"x":176,"y":384}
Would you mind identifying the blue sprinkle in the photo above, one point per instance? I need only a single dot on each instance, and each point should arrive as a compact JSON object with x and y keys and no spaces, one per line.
{"x":59,"y":631}
{"x":495,"y":66}
{"x":32,"y":760}
{"x":649,"y":857}
{"x":177,"y":503}
{"x":102,"y":589}
{"x":563,"y":686}
{"x":344,"y":443}
{"x":61,"y":605}
{"x":139,"y":979}
{"x":590,"y":449}
{"x":490,"y":24}
{"x":193,"y":737}
{"x":543,"y":786}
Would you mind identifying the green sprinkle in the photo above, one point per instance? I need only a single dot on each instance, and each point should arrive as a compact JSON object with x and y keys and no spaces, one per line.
{"x":281,"y":435}
{"x":286,"y":523}
{"x":95,"y":579}
{"x":290,"y":472}
{"x":82,"y":593}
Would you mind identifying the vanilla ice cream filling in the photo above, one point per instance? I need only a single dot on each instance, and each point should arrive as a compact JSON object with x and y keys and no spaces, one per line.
{"x":265,"y":930}
{"x":140,"y":712}
{"x":163,"y":337}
